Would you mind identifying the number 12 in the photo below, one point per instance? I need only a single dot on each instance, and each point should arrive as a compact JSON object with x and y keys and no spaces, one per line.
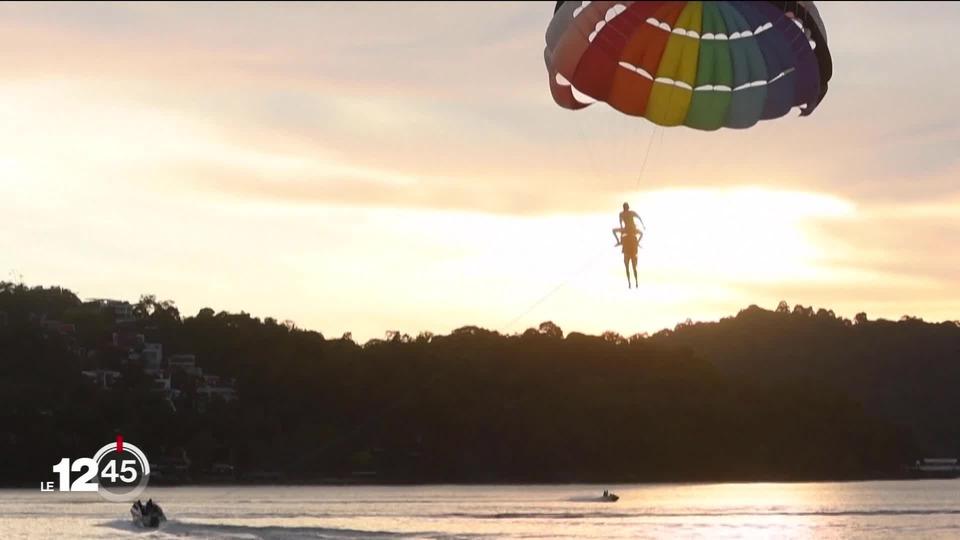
{"x":82,"y":483}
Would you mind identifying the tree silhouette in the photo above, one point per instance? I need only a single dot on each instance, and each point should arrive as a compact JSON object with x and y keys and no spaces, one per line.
{"x":771,"y":395}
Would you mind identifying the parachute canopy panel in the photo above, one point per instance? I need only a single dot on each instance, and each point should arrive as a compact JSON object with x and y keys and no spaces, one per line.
{"x":705,"y":65}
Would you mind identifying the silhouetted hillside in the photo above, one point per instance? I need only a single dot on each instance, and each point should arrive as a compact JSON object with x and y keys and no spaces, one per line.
{"x":907,"y":371}
{"x":763,"y":395}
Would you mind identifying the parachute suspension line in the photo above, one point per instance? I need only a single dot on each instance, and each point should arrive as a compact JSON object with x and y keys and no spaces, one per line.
{"x":590,"y":262}
{"x":656,"y":127}
{"x":618,"y":147}
{"x":604,"y":142}
{"x":587,"y":146}
{"x":646,"y":155}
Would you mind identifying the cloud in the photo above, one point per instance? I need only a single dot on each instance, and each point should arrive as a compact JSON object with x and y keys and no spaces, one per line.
{"x":302,"y":124}
{"x":456,"y":91}
{"x":407,"y":49}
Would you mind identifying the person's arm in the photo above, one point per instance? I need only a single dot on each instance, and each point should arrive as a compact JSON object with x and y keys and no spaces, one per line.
{"x":640,"y":219}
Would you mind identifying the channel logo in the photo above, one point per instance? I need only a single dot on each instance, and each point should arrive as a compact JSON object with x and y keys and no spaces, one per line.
{"x":119,"y":472}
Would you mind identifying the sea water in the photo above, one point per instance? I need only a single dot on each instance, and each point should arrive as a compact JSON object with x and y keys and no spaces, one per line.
{"x":920,"y":508}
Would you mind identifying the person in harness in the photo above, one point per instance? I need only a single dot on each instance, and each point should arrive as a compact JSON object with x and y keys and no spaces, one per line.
{"x":628,"y":226}
{"x":631,"y":244}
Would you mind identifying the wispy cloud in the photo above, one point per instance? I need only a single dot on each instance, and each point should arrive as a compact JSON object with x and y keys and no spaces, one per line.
{"x":165,"y":146}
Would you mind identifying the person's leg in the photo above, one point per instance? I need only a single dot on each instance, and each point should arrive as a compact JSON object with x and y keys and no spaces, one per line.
{"x":634,"y":261}
{"x":626,"y":268}
{"x":616,"y":236}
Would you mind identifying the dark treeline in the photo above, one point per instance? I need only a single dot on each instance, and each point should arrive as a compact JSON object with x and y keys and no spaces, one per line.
{"x":771,"y":395}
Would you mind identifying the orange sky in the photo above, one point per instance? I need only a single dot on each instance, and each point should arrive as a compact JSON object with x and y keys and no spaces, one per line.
{"x":368,"y":167}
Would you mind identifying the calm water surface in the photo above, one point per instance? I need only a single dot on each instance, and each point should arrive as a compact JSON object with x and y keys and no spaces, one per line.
{"x":922,"y":509}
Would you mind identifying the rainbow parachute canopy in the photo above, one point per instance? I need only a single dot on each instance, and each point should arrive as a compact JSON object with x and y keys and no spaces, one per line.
{"x":704,"y":65}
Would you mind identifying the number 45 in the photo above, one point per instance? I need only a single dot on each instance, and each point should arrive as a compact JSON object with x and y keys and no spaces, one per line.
{"x":126,"y":466}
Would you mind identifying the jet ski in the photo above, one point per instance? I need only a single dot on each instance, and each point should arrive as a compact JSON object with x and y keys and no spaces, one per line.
{"x":609,"y":497}
{"x":148,"y":516}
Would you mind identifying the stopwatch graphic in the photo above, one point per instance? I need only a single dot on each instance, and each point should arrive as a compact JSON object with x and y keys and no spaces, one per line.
{"x":123,"y":470}
{"x":119,"y":472}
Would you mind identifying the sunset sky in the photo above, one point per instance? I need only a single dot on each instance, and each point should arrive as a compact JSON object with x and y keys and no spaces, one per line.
{"x":389,"y":166}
